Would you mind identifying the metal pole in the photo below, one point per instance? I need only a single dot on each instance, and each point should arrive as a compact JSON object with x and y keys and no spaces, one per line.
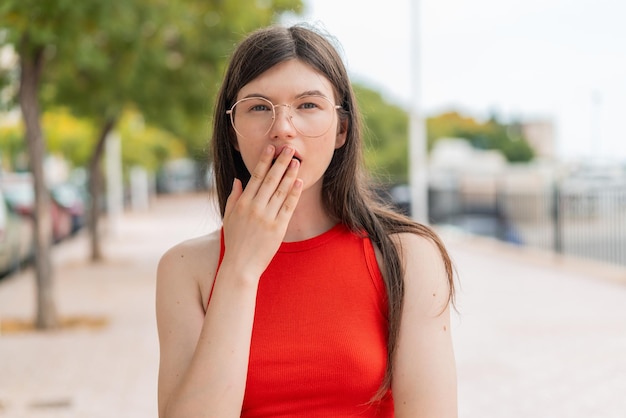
{"x":557,"y":218}
{"x":115,"y":185}
{"x":418,"y":174}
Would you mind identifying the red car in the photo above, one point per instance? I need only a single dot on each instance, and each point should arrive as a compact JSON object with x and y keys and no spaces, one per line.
{"x":20,"y":195}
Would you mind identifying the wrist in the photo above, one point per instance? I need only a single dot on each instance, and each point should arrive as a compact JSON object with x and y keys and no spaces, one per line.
{"x":239,"y":274}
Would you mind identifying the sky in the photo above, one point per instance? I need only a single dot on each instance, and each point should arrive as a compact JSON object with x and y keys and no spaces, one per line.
{"x":557,"y":60}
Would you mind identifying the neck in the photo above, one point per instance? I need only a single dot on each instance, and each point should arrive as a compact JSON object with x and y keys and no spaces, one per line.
{"x":309,"y":219}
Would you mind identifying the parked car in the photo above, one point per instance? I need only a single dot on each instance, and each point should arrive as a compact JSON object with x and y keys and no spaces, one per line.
{"x":20,"y":195}
{"x":72,"y":200}
{"x":16,"y":239}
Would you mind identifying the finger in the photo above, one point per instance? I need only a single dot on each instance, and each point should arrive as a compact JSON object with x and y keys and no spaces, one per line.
{"x":290,"y":203}
{"x":275,"y":175}
{"x":287,"y":182}
{"x":234,"y":196}
{"x":260,"y":170}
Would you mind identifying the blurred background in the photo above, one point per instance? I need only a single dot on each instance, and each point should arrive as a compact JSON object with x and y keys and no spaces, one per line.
{"x":105,"y":115}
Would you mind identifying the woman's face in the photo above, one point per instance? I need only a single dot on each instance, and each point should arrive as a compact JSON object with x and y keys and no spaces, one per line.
{"x":289,"y":83}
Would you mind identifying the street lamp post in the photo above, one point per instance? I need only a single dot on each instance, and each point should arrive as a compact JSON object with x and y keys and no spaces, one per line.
{"x":418,"y":173}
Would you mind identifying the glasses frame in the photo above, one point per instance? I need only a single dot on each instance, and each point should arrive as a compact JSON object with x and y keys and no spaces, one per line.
{"x":231,"y":112}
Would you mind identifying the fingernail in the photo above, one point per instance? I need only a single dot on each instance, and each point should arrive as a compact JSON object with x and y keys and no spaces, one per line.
{"x":269,"y":149}
{"x":288,"y":150}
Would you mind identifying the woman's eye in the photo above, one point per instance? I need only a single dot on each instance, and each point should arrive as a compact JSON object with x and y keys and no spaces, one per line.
{"x":309,"y":105}
{"x":259,"y":108}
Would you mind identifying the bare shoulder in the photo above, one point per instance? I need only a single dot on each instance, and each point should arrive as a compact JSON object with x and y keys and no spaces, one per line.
{"x":424,"y":378}
{"x":185,"y":275}
{"x":191,"y":263}
{"x":427,"y":278}
{"x":413,"y":241}
{"x":417,"y":247}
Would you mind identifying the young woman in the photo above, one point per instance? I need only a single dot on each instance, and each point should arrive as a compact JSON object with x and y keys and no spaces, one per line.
{"x":312,"y":299}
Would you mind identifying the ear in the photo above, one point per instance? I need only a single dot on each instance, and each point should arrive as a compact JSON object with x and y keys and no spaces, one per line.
{"x":342,"y":133}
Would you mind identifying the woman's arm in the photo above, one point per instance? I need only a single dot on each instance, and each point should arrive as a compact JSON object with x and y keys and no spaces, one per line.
{"x":204,"y":357}
{"x":424,"y":381}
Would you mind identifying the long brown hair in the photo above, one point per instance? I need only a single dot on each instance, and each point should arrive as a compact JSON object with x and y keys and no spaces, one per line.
{"x":346,"y":194}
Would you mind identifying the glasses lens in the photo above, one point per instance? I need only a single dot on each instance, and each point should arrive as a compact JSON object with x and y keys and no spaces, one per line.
{"x":252,"y":117}
{"x":311,"y":116}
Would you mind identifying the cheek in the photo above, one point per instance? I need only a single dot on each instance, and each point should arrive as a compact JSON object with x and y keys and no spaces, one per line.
{"x":324,"y":153}
{"x":249,"y":154}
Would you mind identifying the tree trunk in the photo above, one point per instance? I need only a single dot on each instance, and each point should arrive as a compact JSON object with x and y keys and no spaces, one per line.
{"x":95,"y":188}
{"x":31,"y":63}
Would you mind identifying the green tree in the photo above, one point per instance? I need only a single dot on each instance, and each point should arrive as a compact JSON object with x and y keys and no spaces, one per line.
{"x":72,"y":139}
{"x":97,"y":57}
{"x":491,"y":134}
{"x":145,"y":145}
{"x":452,"y":125}
{"x":163,"y":58}
{"x":29,"y":34}
{"x":68,"y":136}
{"x":385,"y":136}
{"x":12,"y":148}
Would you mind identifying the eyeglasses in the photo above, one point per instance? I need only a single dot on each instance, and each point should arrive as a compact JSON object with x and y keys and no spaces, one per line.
{"x":312,"y":115}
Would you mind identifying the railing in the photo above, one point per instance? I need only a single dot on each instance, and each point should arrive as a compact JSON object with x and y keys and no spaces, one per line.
{"x":586,"y":219}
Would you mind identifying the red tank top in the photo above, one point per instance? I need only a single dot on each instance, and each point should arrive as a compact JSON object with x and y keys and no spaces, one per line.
{"x":319,"y":339}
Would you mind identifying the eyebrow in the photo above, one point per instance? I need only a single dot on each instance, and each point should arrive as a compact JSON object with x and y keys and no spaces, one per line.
{"x":311,"y":93}
{"x":304,"y":93}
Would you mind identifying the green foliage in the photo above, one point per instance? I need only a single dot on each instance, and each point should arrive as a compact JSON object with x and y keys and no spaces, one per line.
{"x":518,"y":151}
{"x":68,"y":136}
{"x":184,"y":57}
{"x":451,"y":125}
{"x":163,"y":58}
{"x":43,"y":22}
{"x":73,"y":139}
{"x":12,"y":148}
{"x":488,"y":135}
{"x":385,"y":136}
{"x":146,"y":145}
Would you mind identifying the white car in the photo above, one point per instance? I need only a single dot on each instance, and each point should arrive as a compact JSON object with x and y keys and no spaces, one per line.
{"x":16,"y":239}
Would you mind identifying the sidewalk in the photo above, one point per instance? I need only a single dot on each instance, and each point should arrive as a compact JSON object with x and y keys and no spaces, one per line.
{"x":534,"y":338}
{"x":110,"y":371}
{"x":538,"y":336}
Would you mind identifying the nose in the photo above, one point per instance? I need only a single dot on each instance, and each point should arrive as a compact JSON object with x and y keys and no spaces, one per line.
{"x":282,"y":127}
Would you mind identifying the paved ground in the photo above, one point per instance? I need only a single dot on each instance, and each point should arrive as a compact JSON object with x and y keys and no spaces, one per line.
{"x":107,"y":372}
{"x":536,"y":336}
